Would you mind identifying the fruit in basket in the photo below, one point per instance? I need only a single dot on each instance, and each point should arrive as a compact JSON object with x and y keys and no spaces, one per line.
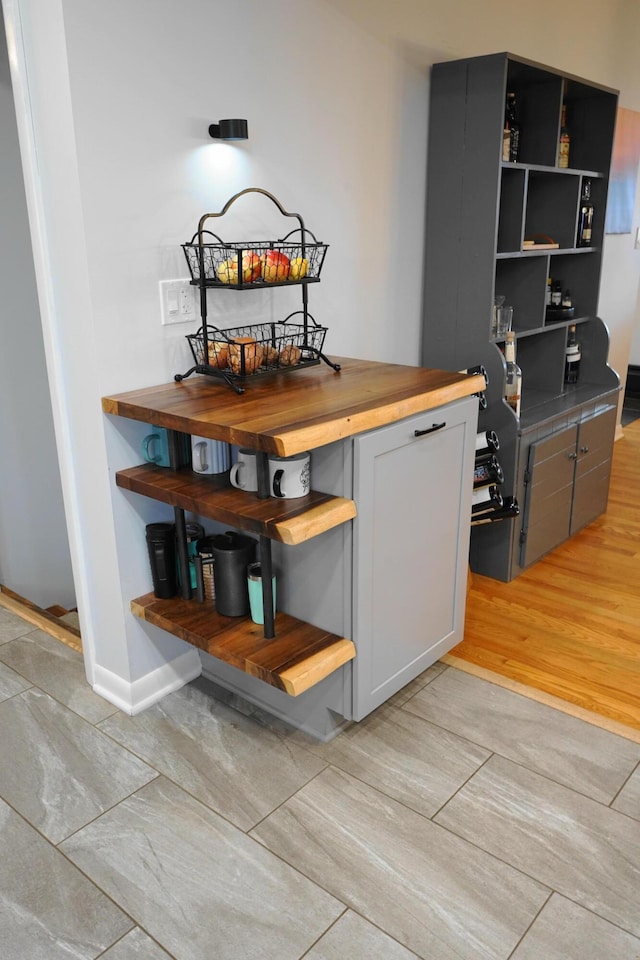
{"x":253,"y":354}
{"x":298,"y":268}
{"x":218,"y":353}
{"x":290,"y":355}
{"x":227,"y":271}
{"x":269,"y":355}
{"x":275,"y":266}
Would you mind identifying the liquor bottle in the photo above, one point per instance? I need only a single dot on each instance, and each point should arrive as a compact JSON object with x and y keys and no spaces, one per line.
{"x":511,"y":132}
{"x":556,"y":294}
{"x":573,"y":355}
{"x":565,"y":140}
{"x":566,"y":298}
{"x":585,"y":220}
{"x":513,"y":388}
{"x":547,"y":299}
{"x":486,"y":442}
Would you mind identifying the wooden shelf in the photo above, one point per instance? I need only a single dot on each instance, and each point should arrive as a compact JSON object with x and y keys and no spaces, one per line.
{"x":300,"y":655}
{"x":287,"y":521}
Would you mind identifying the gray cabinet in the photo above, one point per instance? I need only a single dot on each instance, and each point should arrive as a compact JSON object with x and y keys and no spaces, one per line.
{"x":567,"y":482}
{"x":412,"y":485}
{"x":482,"y":212}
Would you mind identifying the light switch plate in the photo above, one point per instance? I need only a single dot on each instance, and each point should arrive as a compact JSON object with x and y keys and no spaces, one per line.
{"x":177,"y":302}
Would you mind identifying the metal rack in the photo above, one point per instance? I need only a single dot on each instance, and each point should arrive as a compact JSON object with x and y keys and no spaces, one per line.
{"x":237,"y":354}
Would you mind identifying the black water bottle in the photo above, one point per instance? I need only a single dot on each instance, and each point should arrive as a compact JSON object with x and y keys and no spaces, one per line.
{"x":161,"y":545}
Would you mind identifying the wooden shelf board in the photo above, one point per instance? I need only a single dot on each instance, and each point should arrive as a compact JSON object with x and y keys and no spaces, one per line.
{"x":287,"y":521}
{"x":299,"y":656}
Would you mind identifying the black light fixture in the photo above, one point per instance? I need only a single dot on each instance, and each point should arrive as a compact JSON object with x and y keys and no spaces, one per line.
{"x":229,"y":130}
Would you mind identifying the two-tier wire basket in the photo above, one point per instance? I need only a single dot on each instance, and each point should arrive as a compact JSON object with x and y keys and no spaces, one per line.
{"x":238,"y":354}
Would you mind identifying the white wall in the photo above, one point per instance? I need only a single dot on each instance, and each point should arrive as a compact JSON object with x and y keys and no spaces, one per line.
{"x":336,"y":96}
{"x":34,"y":546}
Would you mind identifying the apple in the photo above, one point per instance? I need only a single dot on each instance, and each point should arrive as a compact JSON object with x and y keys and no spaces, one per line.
{"x":275,"y":266}
{"x":227,"y":271}
{"x":298,"y":268}
{"x":251,"y":266}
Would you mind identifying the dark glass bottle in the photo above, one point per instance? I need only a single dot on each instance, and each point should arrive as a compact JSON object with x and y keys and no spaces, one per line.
{"x":573,"y":355}
{"x":511,"y":133}
{"x":585,"y":219}
{"x":565,"y":140}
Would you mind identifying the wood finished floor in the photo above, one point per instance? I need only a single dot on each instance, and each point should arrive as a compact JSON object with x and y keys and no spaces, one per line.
{"x":570,"y":626}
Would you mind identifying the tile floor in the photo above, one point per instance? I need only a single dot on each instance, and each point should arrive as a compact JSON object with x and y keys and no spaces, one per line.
{"x":459,"y":822}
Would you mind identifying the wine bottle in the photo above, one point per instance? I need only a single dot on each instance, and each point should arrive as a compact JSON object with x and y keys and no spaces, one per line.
{"x":573,"y":355}
{"x":585,"y":219}
{"x":486,"y":442}
{"x":508,"y":510}
{"x":513,"y":385}
{"x":487,"y":471}
{"x":565,"y":140}
{"x":485,"y":499}
{"x":511,"y":132}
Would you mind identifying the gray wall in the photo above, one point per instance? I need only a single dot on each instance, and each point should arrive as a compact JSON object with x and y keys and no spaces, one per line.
{"x":34,"y":545}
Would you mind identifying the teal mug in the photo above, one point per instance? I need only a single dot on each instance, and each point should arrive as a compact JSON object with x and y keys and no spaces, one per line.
{"x":155,"y":447}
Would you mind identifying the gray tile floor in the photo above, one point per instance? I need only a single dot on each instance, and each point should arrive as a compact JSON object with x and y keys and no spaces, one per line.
{"x":458,"y":822}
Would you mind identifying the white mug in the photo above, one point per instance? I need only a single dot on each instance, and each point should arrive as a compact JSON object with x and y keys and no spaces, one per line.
{"x":244,"y":472}
{"x":290,"y":477}
{"x":209,"y":456}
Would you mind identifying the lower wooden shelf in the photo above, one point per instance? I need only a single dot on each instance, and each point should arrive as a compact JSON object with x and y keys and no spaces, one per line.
{"x":299,"y":656}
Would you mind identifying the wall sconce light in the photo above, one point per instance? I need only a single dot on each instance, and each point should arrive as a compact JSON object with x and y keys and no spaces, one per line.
{"x":229,"y":130}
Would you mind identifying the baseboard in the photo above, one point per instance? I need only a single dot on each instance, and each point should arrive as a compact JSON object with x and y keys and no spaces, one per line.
{"x":134,"y":697}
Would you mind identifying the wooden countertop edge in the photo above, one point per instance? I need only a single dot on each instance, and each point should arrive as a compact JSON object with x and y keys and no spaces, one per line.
{"x":318,"y":430}
{"x":294,"y":440}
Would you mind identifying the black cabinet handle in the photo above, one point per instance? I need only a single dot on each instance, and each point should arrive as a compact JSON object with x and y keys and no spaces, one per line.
{"x":432,"y":429}
{"x":584,"y":449}
{"x":572,"y":456}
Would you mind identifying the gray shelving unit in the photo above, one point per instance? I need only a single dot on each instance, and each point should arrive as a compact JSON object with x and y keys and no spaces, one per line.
{"x":480,"y":209}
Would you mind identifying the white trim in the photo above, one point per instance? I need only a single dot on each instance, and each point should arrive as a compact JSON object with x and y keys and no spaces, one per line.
{"x":133,"y":698}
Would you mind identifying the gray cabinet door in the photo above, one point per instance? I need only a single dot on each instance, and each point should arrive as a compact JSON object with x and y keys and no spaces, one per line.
{"x":593,"y":468}
{"x":411,"y":542}
{"x":549,"y":494}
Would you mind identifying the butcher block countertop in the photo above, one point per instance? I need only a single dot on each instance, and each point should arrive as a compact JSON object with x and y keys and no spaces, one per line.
{"x":287,"y":413}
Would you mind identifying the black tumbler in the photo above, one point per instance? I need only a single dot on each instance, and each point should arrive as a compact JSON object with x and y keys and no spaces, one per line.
{"x":161,"y":544}
{"x":232,"y":553}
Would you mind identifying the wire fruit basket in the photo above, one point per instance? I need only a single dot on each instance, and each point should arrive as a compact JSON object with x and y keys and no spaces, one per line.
{"x":258,"y":348}
{"x":240,"y":353}
{"x":244,"y":264}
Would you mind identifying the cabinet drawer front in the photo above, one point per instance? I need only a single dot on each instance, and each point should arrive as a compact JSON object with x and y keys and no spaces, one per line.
{"x":411,"y":539}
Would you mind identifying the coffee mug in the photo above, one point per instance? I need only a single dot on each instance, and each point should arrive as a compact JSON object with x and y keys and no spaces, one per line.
{"x":209,"y":456}
{"x":290,"y":477}
{"x":244,"y":472}
{"x":155,"y":447}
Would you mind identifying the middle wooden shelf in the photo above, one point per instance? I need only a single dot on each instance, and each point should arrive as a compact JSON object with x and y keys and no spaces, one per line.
{"x":286,"y":521}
